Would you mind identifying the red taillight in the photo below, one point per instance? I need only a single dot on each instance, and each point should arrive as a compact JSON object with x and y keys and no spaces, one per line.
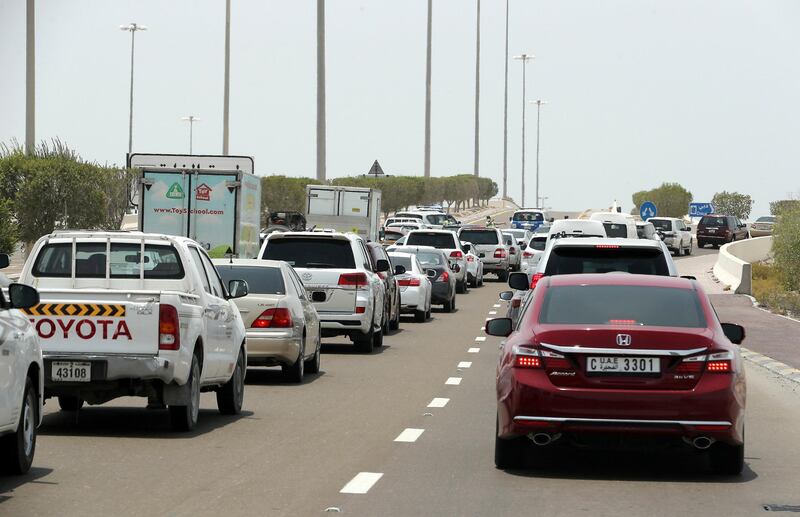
{"x":444,"y":277}
{"x":273,"y":318}
{"x":527,"y":357}
{"x":408,"y":282}
{"x":169,"y":328}
{"x":353,"y":279}
{"x":500,"y":253}
{"x":527,"y":254}
{"x":622,"y":322}
{"x":361,"y":310}
{"x":456,"y":254}
{"x":606,"y":246}
{"x":535,"y":279}
{"x":721,"y":362}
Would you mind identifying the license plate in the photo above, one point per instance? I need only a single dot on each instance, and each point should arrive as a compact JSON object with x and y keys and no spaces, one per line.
{"x":712,"y":231}
{"x":69,"y":371}
{"x":627,"y":365}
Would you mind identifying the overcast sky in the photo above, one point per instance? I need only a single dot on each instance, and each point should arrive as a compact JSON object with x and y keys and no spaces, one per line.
{"x":704,"y":93}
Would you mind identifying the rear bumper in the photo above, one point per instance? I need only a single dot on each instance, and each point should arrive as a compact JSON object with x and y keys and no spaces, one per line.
{"x":337,"y":324}
{"x":275,"y":347}
{"x":490,"y":264}
{"x":441,"y":292}
{"x":713,"y":238}
{"x":760,"y":233}
{"x":412,"y":299}
{"x":108,"y":367}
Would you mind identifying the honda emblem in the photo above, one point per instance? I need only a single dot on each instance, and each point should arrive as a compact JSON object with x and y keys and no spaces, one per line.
{"x":624,"y":339}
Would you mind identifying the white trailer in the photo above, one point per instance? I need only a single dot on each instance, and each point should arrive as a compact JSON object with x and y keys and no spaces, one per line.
{"x":344,"y":209}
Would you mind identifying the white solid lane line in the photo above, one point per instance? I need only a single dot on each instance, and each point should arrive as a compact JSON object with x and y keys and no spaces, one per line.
{"x":361,"y":483}
{"x":439,"y":402}
{"x":473,"y":350}
{"x":409,"y":435}
{"x":464,"y":364}
{"x":480,"y":338}
{"x":453,"y":381}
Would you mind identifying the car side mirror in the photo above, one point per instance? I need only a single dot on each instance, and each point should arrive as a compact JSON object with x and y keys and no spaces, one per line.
{"x":506,"y":296}
{"x":501,"y":327}
{"x":551,"y":220}
{"x":3,"y":260}
{"x":467,"y":248}
{"x":735,"y":333}
{"x":382,"y":265}
{"x":458,"y":222}
{"x":518,"y":281}
{"x":22,"y":296}
{"x":523,"y":246}
{"x":318,"y":296}
{"x":399,"y":269}
{"x":511,"y":218}
{"x":237,"y":289}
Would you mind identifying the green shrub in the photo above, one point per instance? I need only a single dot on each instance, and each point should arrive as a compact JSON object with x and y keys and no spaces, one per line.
{"x":786,"y":248}
{"x":769,"y":290}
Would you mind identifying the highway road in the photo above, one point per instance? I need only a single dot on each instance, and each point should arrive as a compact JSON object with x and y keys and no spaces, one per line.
{"x":407,"y":430}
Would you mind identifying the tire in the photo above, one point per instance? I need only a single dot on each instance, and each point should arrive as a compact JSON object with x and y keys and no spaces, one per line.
{"x":377,"y":339}
{"x":450,"y":304}
{"x":394,"y":323}
{"x":701,"y":244}
{"x":461,"y":287}
{"x":364,"y":342}
{"x":231,"y":396}
{"x":184,"y":418}
{"x":691,"y":246}
{"x":508,"y":454}
{"x":294,"y":372}
{"x":727,"y":460}
{"x":313,"y":364}
{"x":420,"y":316}
{"x":18,"y":449}
{"x":502,"y":276}
{"x":679,"y":251}
{"x":69,"y":403}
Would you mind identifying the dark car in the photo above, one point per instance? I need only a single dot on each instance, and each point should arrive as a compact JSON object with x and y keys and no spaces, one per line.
{"x":720,"y":229}
{"x":392,"y":300}
{"x":620,"y":360}
{"x":438,"y":268}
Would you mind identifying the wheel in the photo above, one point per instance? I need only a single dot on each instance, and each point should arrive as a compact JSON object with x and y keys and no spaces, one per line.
{"x":294,"y":372}
{"x":502,"y":276}
{"x":679,"y":251}
{"x":377,"y":339}
{"x":184,"y":418}
{"x":727,"y":460}
{"x":17,"y":449}
{"x":313,"y":364}
{"x":394,"y":323}
{"x":691,"y":246}
{"x":450,"y":304}
{"x":461,"y":287}
{"x":701,"y":244}
{"x":363,"y":342}
{"x":231,"y":396}
{"x":69,"y":403}
{"x":420,"y":316}
{"x":508,"y":454}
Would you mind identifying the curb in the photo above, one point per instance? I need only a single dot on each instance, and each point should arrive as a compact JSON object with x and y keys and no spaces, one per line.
{"x":781,"y":369}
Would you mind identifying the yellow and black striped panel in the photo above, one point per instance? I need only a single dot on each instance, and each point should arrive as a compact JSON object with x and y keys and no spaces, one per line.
{"x":77,"y":309}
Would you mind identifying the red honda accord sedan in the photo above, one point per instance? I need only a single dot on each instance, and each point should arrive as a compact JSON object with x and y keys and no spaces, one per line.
{"x":618,"y":359}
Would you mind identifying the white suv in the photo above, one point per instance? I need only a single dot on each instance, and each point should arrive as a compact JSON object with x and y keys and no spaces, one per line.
{"x":674,"y":233}
{"x":21,"y":381}
{"x":490,"y":246}
{"x":336,"y":269}
{"x":448,"y":242}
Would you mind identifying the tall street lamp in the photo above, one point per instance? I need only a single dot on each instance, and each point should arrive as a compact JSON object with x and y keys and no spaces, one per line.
{"x":132,"y":28}
{"x":524,"y":58}
{"x":30,"y":79}
{"x":427,"y":160}
{"x":477,"y":86}
{"x":191,"y":119}
{"x":538,"y":103}
{"x":321,"y":90}
{"x":227,"y":88}
{"x":505,"y":117}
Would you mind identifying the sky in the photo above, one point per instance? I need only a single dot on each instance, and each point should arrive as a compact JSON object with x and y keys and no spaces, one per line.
{"x":639,"y":92}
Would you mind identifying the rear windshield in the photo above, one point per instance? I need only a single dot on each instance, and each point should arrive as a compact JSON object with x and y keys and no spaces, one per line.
{"x":311,"y":252}
{"x":766,"y":219}
{"x":661,"y":224}
{"x":714,"y":221}
{"x":538,"y":243}
{"x":437,"y":240}
{"x":428,"y":259}
{"x":616,"y":230}
{"x":401,"y":261}
{"x":436,"y":218}
{"x":479,"y":236}
{"x":160,"y":261}
{"x":566,"y":260}
{"x":528,"y":216}
{"x":260,"y":280}
{"x":622,"y":304}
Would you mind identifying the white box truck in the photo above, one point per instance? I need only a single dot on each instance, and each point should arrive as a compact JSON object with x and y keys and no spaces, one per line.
{"x":344,"y":209}
{"x":214,"y":200}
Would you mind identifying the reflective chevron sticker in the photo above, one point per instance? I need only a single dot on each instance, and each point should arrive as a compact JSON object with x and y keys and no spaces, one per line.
{"x":77,"y":309}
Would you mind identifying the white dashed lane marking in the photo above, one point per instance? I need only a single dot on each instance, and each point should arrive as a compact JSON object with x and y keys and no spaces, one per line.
{"x":464,"y":364}
{"x":496,"y":306}
{"x":480,"y":339}
{"x":473,"y":350}
{"x":409,"y":435}
{"x":453,"y":381}
{"x":492,"y":313}
{"x":439,"y":402}
{"x":361,"y":483}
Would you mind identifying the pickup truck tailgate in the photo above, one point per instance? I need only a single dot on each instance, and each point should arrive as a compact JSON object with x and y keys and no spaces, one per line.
{"x":96,"y":323}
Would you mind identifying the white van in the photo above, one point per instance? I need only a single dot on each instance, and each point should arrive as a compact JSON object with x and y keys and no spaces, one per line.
{"x":617,"y":224}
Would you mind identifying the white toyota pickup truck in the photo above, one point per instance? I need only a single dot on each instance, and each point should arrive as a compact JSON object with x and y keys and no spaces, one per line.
{"x":135,"y":314}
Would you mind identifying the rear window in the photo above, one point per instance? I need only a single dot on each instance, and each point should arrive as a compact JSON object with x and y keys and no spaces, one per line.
{"x":479,"y":236}
{"x":311,"y":252}
{"x":401,"y":261}
{"x":260,"y":280}
{"x":437,"y":240}
{"x":160,"y":262}
{"x":713,"y":221}
{"x":528,"y":216}
{"x":566,"y":260}
{"x":662,"y":224}
{"x":765,"y":219}
{"x":622,"y":304}
{"x":436,"y":218}
{"x":616,"y":230}
{"x":429,"y":259}
{"x":538,"y":243}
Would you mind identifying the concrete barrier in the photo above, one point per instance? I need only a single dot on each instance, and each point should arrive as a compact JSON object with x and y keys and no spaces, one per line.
{"x":733,"y":267}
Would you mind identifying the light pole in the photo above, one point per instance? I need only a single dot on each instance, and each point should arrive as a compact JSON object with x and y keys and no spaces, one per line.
{"x":538,"y":103}
{"x":505,"y":117}
{"x":321,"y":90}
{"x":30,"y":79}
{"x":191,"y":119}
{"x":524,"y":58}
{"x":476,"y":166}
{"x":427,"y":162}
{"x":227,"y":89}
{"x":132,"y":28}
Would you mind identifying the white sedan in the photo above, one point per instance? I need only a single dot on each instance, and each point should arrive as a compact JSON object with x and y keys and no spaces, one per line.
{"x":415,"y":287}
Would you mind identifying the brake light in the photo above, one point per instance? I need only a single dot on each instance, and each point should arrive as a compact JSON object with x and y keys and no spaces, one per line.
{"x":721,"y":362}
{"x":526,"y":357}
{"x":500,"y":253}
{"x":555,"y":361}
{"x":406,"y":282}
{"x":622,"y":322}
{"x":535,"y":279}
{"x":606,"y":246}
{"x":169,"y":328}
{"x":527,"y":254}
{"x":456,"y":254}
{"x":444,"y":277}
{"x":353,"y":279}
{"x":278,"y":317}
{"x":361,"y":310}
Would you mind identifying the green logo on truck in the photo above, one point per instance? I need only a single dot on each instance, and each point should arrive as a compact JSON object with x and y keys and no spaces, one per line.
{"x":175,"y":191}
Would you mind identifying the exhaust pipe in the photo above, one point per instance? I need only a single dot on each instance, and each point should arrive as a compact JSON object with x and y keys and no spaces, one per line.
{"x":543,"y":439}
{"x":702,"y":442}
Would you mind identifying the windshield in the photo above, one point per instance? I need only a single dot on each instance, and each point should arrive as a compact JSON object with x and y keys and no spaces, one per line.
{"x":538,"y":243}
{"x":528,"y":216}
{"x":766,"y":219}
{"x":437,"y":240}
{"x":260,"y":280}
{"x":622,"y":304}
{"x":661,"y":224}
{"x":565,"y":260}
{"x":311,"y":252}
{"x":479,"y":236}
{"x":160,"y":262}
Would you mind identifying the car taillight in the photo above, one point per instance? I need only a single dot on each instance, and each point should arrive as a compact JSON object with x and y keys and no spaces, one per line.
{"x":622,"y":322}
{"x":444,"y":277}
{"x":535,"y":279}
{"x":606,"y":246}
{"x":526,"y":357}
{"x":273,"y":318}
{"x":361,"y":310}
{"x":470,"y":258}
{"x":721,"y":362}
{"x":169,"y":328}
{"x":456,"y":254}
{"x":692,"y":364}
{"x":527,"y":254}
{"x":408,"y":282}
{"x":353,"y":279}
{"x":555,"y":361}
{"x":500,"y":253}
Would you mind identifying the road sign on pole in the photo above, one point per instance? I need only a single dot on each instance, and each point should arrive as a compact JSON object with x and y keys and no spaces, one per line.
{"x":375,"y":170}
{"x":648,"y":210}
{"x":700,"y":209}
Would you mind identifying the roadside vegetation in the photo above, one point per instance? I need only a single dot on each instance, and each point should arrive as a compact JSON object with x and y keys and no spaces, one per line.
{"x":776,"y":285}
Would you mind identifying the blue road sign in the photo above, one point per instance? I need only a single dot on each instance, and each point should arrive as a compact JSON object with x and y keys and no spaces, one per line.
{"x":700,"y":209}
{"x":648,"y":210}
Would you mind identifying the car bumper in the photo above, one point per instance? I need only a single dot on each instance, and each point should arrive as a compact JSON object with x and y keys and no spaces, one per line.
{"x":714,"y":238}
{"x":109,"y":367}
{"x":441,"y":292}
{"x":273,"y":347}
{"x":333,"y":324}
{"x":495,"y":264}
{"x":760,"y":233}
{"x":411,"y":299}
